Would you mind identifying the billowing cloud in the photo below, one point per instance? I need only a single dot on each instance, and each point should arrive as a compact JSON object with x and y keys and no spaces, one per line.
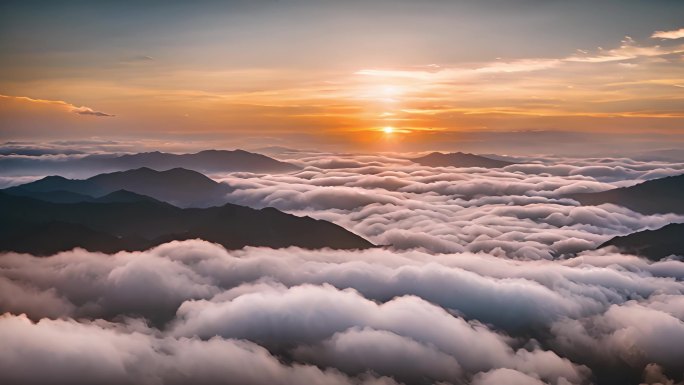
{"x":406,"y":315}
{"x":518,"y":211}
{"x":67,"y":351}
{"x":487,"y":276}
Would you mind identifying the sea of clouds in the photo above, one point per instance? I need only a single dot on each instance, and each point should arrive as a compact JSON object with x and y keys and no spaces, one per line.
{"x":521,"y":211}
{"x":487,"y":277}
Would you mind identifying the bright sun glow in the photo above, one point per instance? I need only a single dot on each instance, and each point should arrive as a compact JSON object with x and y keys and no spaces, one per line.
{"x":390,"y":91}
{"x":388,"y":130}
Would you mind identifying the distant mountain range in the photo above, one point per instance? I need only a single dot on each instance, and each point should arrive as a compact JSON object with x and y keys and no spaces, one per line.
{"x":665,"y":195}
{"x":180,"y":187}
{"x":653,"y":244}
{"x":123,"y":220}
{"x":211,"y":161}
{"x":460,"y":159}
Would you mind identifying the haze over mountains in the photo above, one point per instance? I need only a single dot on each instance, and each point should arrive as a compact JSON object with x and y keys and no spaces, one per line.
{"x":180,"y":187}
{"x":209,"y":161}
{"x":460,"y":159}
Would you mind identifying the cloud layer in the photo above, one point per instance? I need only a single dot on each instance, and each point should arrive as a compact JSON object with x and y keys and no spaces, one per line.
{"x":519,"y":211}
{"x":489,"y":276}
{"x":360,"y":316}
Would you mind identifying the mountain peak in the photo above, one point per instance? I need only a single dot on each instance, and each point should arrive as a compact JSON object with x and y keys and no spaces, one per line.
{"x":52,"y":178}
{"x":149,"y":172}
{"x":459,"y":159}
{"x":139,"y":169}
{"x":177,"y":186}
{"x":125,"y":196}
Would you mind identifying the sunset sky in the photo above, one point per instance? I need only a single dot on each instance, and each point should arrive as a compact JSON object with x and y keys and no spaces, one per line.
{"x":380,"y":75}
{"x":342,"y":192}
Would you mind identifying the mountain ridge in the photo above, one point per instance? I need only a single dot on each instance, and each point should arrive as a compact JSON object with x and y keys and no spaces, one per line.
{"x":653,"y":244}
{"x":42,"y":228}
{"x":655,"y":196}
{"x":459,"y":159}
{"x":209,"y":161}
{"x":177,"y":186}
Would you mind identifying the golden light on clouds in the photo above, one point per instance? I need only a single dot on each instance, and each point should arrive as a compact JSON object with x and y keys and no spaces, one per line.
{"x":674,"y":34}
{"x":637,"y":79}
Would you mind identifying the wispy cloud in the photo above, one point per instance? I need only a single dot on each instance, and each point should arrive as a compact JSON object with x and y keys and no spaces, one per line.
{"x":524,"y":65}
{"x":631,"y":84}
{"x":82,"y":110}
{"x":675,"y":34}
{"x":633,"y":79}
{"x":90,"y":111}
{"x":137,"y":59}
{"x":627,"y":50}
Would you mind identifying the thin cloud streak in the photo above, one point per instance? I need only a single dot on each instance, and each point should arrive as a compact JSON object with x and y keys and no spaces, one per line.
{"x":631,"y":87}
{"x":67,"y":106}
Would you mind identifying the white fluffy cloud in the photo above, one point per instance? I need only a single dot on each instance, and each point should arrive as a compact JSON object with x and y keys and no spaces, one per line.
{"x":520,"y":211}
{"x":488,"y":277}
{"x":67,"y":351}
{"x":411,"y":316}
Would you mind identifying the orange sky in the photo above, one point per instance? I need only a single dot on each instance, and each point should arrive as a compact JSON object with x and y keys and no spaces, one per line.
{"x":633,"y":86}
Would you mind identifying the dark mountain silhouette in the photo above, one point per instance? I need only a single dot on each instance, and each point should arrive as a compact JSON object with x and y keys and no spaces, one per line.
{"x":459,"y":159}
{"x":72,"y":197}
{"x":177,"y":186}
{"x":56,"y":196}
{"x":653,"y":244}
{"x":211,"y":161}
{"x":38,"y":227}
{"x":207,"y":161}
{"x":663,"y":195}
{"x":125,"y":196}
{"x":52,"y":237}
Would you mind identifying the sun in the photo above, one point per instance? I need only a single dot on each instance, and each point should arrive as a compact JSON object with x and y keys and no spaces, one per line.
{"x":388,"y":130}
